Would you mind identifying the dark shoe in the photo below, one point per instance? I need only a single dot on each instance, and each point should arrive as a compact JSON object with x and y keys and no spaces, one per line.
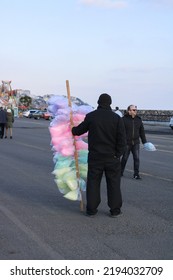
{"x":137,"y":177}
{"x":11,"y":137}
{"x":115,"y":212}
{"x":90,"y":215}
{"x":5,"y":136}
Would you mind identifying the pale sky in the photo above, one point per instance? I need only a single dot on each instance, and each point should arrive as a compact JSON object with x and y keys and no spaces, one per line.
{"x":123,"y":48}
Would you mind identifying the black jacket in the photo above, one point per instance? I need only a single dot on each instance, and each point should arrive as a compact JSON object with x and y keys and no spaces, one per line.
{"x":3,"y":116}
{"x":134,"y":130}
{"x":106,"y":133}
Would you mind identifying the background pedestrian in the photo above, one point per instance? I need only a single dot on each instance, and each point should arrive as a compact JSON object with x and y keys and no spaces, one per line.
{"x":134,"y":132}
{"x":117,"y":111}
{"x":3,"y":120}
{"x":9,"y":124}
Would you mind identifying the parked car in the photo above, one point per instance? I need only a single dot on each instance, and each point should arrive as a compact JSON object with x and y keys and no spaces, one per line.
{"x":171,"y":122}
{"x":38,"y":114}
{"x":47,"y":116}
{"x":28,"y":114}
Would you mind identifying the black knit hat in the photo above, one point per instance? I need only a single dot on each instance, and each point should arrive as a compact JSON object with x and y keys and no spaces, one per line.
{"x":104,"y":98}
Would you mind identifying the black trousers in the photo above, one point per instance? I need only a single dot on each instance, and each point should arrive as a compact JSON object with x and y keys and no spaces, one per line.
{"x":2,"y":126}
{"x":112,"y":169}
{"x":134,"y":149}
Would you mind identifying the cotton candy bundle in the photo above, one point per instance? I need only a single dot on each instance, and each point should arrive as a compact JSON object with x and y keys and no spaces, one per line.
{"x":65,"y":147}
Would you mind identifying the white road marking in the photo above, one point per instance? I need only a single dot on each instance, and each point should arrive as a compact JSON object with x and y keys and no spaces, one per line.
{"x":45,"y":247}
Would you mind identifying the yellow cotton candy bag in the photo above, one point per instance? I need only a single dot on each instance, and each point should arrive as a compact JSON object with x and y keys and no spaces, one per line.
{"x":62,"y":186}
{"x":60,"y":172}
{"x":73,"y":195}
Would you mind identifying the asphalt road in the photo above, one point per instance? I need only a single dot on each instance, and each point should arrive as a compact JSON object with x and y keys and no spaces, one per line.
{"x":37,"y":223}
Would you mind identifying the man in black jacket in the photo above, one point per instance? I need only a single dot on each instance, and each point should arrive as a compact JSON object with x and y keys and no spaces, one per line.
{"x":106,"y":144}
{"x":3,"y":121}
{"x":134,"y":132}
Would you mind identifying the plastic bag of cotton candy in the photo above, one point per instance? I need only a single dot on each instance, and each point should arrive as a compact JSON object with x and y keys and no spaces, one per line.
{"x":148,"y":146}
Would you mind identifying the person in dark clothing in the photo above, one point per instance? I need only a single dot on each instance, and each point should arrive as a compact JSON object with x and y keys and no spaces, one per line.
{"x":134,"y":132}
{"x":9,"y":124}
{"x":3,"y":120}
{"x":106,"y":144}
{"x":117,"y":111}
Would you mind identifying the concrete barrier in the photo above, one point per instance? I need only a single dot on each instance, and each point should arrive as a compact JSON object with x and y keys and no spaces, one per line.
{"x":155,"y":115}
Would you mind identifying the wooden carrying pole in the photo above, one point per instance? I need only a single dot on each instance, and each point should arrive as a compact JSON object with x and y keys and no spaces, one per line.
{"x":75,"y":152}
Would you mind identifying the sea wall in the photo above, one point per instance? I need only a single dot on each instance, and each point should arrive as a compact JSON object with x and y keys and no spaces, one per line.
{"x":155,"y":115}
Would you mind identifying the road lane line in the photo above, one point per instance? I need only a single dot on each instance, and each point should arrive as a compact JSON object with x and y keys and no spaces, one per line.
{"x":153,"y":176}
{"x":166,"y":151}
{"x":45,"y":247}
{"x":158,"y":177}
{"x":30,"y":146}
